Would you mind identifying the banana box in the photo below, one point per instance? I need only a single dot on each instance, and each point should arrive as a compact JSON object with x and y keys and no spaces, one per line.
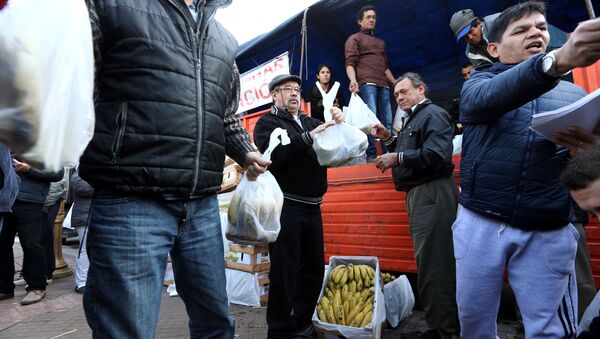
{"x":232,"y":175}
{"x":351,"y":303}
{"x":248,"y":258}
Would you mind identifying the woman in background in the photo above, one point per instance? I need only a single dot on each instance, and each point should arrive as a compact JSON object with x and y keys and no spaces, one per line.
{"x":324,"y":94}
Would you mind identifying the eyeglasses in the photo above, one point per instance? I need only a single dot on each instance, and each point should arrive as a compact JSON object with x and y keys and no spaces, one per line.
{"x":289,"y":89}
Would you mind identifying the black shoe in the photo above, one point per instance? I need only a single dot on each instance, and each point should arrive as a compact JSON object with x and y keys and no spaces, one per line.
{"x":429,"y":334}
{"x":80,"y":289}
{"x":4,"y":296}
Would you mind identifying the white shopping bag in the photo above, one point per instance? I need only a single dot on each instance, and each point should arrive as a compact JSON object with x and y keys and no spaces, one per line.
{"x":338,"y":144}
{"x":359,"y":115}
{"x":399,"y":300}
{"x":56,"y":37}
{"x":255,"y":209}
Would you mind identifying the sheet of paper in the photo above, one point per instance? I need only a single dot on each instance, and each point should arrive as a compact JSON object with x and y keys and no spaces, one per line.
{"x":584,"y":113}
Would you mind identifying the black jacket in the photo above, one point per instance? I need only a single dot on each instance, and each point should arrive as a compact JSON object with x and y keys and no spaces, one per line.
{"x":295,"y":165}
{"x":166,"y":92}
{"x":316,"y":101}
{"x":426,"y":145}
{"x":35,"y":184}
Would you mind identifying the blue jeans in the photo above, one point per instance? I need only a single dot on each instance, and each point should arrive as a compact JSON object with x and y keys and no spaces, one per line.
{"x":128,"y":243}
{"x":377,"y":99}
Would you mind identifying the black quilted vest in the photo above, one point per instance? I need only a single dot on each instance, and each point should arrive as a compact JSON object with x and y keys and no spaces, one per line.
{"x":159,"y":106}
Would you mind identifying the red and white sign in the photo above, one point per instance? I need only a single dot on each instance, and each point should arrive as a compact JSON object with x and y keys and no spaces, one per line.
{"x":254,"y":91}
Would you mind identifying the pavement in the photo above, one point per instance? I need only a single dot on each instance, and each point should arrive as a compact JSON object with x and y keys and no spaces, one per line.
{"x":60,"y":314}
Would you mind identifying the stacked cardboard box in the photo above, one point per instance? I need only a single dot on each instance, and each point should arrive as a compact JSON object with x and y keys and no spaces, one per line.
{"x":253,"y":260}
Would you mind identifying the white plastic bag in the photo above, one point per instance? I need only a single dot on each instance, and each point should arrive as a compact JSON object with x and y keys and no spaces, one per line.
{"x":359,"y":115}
{"x":67,"y":220}
{"x":399,"y":300}
{"x":255,"y":208}
{"x":338,"y":144}
{"x":58,"y":35}
{"x":328,"y":98}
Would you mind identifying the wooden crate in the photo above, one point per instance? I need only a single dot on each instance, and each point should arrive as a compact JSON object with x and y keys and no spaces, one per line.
{"x":248,"y":258}
{"x":263,"y":288}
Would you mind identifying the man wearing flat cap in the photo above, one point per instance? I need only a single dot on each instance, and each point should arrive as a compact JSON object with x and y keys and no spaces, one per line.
{"x":474,"y":30}
{"x":297,"y":257}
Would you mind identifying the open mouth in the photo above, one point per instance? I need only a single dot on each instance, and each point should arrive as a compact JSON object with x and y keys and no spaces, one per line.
{"x":535,"y":47}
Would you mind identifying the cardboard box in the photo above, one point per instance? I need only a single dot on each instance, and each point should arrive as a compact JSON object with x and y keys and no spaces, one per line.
{"x":232,"y":175}
{"x":248,"y":258}
{"x":263,"y":288}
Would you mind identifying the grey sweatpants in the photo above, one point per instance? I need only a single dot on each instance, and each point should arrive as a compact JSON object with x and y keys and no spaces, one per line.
{"x":540,"y":269}
{"x":432,"y":210}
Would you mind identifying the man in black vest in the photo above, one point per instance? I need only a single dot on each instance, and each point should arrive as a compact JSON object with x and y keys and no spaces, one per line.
{"x":166,"y":92}
{"x":422,"y":167}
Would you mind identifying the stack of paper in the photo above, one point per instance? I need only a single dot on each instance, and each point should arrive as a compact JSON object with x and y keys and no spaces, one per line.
{"x":583,"y":113}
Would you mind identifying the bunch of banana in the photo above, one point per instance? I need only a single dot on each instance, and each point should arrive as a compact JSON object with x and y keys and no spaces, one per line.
{"x":386,"y":277}
{"x":349,"y":296}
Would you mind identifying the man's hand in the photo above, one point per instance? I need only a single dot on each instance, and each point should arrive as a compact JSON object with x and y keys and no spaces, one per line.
{"x":255,"y":165}
{"x":321,"y":128}
{"x":385,"y":161}
{"x":353,"y":88}
{"x":578,"y":140}
{"x":337,"y":114}
{"x":380,"y":131}
{"x":22,"y":167}
{"x":581,"y":49}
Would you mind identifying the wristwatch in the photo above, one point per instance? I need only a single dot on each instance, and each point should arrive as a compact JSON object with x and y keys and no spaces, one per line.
{"x":549,"y":66}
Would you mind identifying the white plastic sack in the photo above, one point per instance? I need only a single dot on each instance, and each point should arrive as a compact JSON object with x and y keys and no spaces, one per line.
{"x":255,"y":208}
{"x":359,"y":115}
{"x":375,"y":327}
{"x":338,"y":144}
{"x":457,"y":144}
{"x":67,"y":220}
{"x":57,"y":36}
{"x":242,"y":288}
{"x":399,"y":300}
{"x":328,"y":98}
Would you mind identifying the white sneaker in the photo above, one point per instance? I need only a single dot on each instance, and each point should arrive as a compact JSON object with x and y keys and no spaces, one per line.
{"x":20,"y":282}
{"x":49,"y":281}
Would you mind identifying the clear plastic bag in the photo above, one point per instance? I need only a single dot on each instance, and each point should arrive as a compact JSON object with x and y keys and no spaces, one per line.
{"x":359,"y":115}
{"x":338,"y":144}
{"x":54,"y":40}
{"x":399,"y":300}
{"x":255,"y":209}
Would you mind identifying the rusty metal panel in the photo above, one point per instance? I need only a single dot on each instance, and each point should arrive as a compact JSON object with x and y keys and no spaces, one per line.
{"x":588,"y":77}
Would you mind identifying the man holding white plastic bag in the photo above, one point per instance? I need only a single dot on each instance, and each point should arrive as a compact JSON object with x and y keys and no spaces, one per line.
{"x":422,"y":167}
{"x":166,"y":92}
{"x":297,"y":257}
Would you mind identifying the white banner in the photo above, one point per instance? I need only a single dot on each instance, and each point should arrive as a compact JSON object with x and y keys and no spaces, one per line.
{"x":254,"y":89}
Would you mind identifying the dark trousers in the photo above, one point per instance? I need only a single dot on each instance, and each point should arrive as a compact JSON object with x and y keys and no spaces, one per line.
{"x":26,"y":220}
{"x":432,"y":210}
{"x":297,"y":268}
{"x":48,"y":238}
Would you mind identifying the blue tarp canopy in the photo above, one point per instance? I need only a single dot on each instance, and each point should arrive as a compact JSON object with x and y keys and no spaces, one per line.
{"x":416,"y":33}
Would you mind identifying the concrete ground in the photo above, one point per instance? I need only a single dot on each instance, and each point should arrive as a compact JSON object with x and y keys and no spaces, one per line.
{"x":60,"y":314}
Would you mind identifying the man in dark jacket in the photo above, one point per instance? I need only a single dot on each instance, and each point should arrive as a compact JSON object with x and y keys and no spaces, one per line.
{"x":26,"y":220}
{"x":297,"y":257}
{"x":166,"y":92}
{"x":422,"y":166}
{"x":514,"y":214}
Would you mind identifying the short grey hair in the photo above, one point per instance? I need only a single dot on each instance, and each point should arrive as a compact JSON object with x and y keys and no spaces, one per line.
{"x":415,"y":79}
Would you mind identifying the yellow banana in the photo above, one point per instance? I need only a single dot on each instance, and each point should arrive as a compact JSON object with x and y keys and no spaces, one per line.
{"x":363,"y":271}
{"x":352,"y":287}
{"x":360,"y":286}
{"x":367,"y":319}
{"x":350,"y":272}
{"x":322,"y":315}
{"x":344,"y":277}
{"x":330,"y":315}
{"x":340,"y":315}
{"x":354,"y":312}
{"x":357,"y":273}
{"x":357,"y":320}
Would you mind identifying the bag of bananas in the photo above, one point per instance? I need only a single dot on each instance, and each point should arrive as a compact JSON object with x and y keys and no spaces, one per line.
{"x":351,"y":301}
